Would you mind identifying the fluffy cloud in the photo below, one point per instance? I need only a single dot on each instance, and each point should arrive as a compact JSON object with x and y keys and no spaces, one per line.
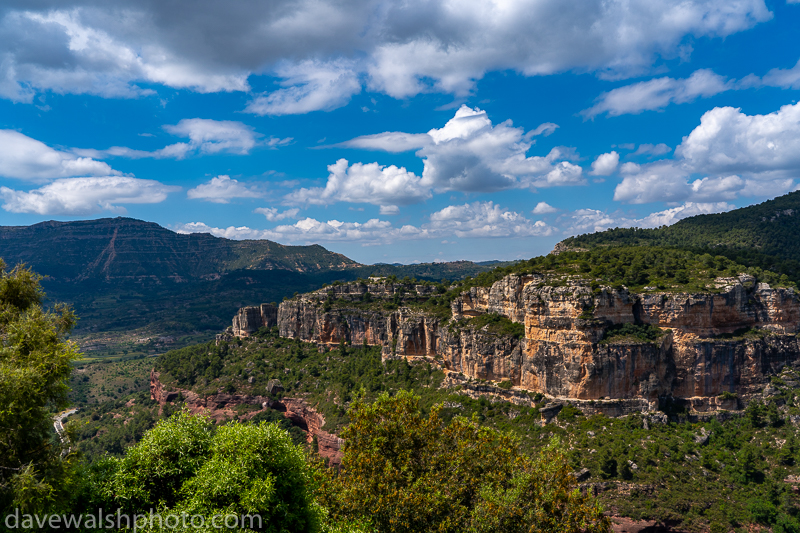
{"x":658,"y":93}
{"x":737,"y":155}
{"x":205,"y":136}
{"x":728,"y":141}
{"x":389,"y":210}
{"x":85,"y":196}
{"x":273,"y":215}
{"x":231,"y":232}
{"x":479,"y":219}
{"x":95,"y":51}
{"x":399,"y":48}
{"x":471,"y":154}
{"x":485,"y":219}
{"x":389,"y":141}
{"x":657,"y":182}
{"x":25,"y":158}
{"x":311,"y":231}
{"x":783,"y":78}
{"x":592,"y":220}
{"x":587,"y":221}
{"x":689,"y":209}
{"x":543,"y":208}
{"x":605,"y":164}
{"x":221,"y":190}
{"x":364,"y":183}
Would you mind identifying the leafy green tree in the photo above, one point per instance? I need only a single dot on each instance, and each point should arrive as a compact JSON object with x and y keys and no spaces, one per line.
{"x":153,"y":472}
{"x":35,"y":359}
{"x":406,"y":472}
{"x":183,"y":465}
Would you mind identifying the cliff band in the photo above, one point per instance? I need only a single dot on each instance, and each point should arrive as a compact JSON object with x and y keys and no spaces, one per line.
{"x":566,"y":351}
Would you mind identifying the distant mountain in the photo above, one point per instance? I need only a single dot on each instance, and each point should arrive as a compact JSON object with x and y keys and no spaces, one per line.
{"x":134,"y":250}
{"x":764,"y":235}
{"x":139,"y":288}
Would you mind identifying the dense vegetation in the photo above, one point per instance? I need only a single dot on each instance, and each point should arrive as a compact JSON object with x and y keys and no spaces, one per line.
{"x":403,"y":471}
{"x":407,"y":472}
{"x":632,"y":333}
{"x":497,"y":325}
{"x":763,"y":235}
{"x":35,"y":362}
{"x":329,"y":380}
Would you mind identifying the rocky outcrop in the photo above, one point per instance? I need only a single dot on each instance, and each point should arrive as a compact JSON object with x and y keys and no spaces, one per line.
{"x":301,"y":414}
{"x":249,"y":319}
{"x":564,"y":352}
{"x":221,"y":407}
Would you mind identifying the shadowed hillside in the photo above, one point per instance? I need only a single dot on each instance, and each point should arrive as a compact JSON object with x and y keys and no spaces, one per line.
{"x":134,"y":250}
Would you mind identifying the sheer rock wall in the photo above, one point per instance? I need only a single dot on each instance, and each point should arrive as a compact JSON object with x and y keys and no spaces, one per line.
{"x":561,"y":354}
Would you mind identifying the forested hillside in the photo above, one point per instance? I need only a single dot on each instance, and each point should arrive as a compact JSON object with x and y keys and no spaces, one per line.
{"x":763,"y":235}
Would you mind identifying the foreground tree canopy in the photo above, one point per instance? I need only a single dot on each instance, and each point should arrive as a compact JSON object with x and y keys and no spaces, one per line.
{"x":34,"y":367}
{"x":404,"y":471}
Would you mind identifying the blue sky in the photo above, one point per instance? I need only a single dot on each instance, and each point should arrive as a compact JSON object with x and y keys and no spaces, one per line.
{"x":397,"y":132}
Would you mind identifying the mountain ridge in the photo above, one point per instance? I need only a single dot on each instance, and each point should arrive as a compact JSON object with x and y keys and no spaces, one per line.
{"x":127,"y":248}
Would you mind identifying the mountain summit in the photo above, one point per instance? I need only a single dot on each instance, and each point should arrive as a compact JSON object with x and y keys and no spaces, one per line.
{"x":129,"y":249}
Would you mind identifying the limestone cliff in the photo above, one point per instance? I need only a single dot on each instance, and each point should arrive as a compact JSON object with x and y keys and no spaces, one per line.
{"x":566,"y":351}
{"x":249,"y":319}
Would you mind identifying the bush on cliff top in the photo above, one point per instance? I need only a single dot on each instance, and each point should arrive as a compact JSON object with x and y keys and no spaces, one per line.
{"x":497,"y":325}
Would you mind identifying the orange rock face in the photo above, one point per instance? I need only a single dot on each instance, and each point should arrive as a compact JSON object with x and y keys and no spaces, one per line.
{"x":561,"y":353}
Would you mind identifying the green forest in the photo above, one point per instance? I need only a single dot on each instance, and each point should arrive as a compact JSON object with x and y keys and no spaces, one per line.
{"x":762,"y":236}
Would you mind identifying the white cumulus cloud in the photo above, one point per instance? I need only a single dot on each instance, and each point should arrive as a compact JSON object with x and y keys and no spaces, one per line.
{"x":85,"y":196}
{"x":272,"y":214}
{"x":470,"y":154}
{"x":25,"y":158}
{"x":783,"y":78}
{"x":543,"y":208}
{"x":729,"y":141}
{"x":485,"y":219}
{"x":389,"y":210}
{"x":364,"y":183}
{"x":605,"y":164}
{"x":652,"y":149}
{"x":592,"y":220}
{"x":674,"y":214}
{"x":206,"y":136}
{"x":476,"y":220}
{"x":730,"y":154}
{"x":309,"y":86}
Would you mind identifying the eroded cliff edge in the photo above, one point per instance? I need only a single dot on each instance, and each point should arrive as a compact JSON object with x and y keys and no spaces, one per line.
{"x":222,"y":407}
{"x":727,"y":340}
